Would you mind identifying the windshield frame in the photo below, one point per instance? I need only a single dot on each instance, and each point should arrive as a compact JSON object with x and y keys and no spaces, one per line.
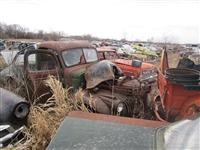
{"x":76,"y":56}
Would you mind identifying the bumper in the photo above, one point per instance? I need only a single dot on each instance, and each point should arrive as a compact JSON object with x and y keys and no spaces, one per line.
{"x":8,"y":135}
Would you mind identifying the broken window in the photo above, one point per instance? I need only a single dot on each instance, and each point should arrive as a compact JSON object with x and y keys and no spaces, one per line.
{"x":76,"y":56}
{"x":90,"y":54}
{"x":41,"y":62}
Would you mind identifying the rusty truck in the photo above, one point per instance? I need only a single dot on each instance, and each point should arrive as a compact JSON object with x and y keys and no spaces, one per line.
{"x":76,"y":64}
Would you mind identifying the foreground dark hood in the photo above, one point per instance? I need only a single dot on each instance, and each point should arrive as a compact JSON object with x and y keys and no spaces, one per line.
{"x":76,"y":133}
{"x":82,"y":130}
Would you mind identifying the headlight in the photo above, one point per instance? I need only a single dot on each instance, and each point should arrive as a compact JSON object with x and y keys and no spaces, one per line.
{"x":21,"y":110}
{"x":120,"y":107}
{"x":148,"y":72}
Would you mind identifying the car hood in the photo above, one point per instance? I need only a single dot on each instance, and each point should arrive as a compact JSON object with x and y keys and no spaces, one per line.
{"x":83,"y":130}
{"x":147,"y":66}
{"x":143,"y":66}
{"x":78,"y":133}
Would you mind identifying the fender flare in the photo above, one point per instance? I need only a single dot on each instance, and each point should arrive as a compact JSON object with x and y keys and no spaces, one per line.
{"x":190,"y":106}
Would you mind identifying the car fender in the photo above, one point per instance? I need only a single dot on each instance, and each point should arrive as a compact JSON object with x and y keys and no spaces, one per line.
{"x":190,"y":106}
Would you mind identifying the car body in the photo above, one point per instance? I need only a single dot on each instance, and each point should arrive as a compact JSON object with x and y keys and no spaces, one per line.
{"x":2,"y":46}
{"x":14,"y":111}
{"x":178,"y":90}
{"x":141,"y":70}
{"x":144,"y":53}
{"x":158,"y":50}
{"x":185,"y":53}
{"x":195,"y":56}
{"x":75,"y":64}
{"x":81,"y":130}
{"x":128,"y":48}
{"x":20,"y":45}
{"x":9,"y":55}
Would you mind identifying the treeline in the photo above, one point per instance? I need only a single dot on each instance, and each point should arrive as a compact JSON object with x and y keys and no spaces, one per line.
{"x":16,"y":31}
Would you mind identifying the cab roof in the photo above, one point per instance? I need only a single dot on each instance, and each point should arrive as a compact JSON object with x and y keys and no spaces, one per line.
{"x":64,"y":45}
{"x":104,"y":49}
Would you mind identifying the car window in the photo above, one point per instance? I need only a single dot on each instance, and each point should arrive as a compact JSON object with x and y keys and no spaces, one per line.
{"x":72,"y":57}
{"x":41,"y":62}
{"x":90,"y":54}
{"x":76,"y":56}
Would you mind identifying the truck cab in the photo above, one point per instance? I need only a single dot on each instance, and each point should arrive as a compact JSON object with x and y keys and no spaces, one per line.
{"x":66,"y":61}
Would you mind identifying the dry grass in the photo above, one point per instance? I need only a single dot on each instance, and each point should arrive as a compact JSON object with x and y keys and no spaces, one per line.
{"x":44,"y":119}
{"x":2,"y":62}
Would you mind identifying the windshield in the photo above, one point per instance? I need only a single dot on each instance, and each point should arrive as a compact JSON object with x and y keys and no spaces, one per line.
{"x":184,"y":134}
{"x":79,"y":56}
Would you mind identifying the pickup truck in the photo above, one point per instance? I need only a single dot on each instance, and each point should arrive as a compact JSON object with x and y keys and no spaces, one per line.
{"x":76,"y":64}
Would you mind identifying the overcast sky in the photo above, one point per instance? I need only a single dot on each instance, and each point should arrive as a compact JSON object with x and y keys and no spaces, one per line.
{"x":117,"y":19}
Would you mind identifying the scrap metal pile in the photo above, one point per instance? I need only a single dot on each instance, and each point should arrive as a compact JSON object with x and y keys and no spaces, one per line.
{"x":111,"y":84}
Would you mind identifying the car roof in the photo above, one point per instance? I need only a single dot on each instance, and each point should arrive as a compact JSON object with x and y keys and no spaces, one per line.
{"x":64,"y":45}
{"x":104,"y":49}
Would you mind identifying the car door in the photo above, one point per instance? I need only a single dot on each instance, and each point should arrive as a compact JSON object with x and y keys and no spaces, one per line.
{"x":39,"y":65}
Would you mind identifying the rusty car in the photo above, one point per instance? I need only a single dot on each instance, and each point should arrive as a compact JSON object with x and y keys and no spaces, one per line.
{"x":144,"y":52}
{"x":132,"y":67}
{"x":76,"y":64}
{"x":13,"y":116}
{"x":82,"y":130}
{"x":178,"y":90}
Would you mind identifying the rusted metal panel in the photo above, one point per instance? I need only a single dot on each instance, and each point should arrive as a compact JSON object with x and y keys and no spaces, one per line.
{"x":99,"y":72}
{"x":63,"y":45}
{"x":77,"y":133}
{"x":13,"y":108}
{"x":117,"y":119}
{"x":13,"y":115}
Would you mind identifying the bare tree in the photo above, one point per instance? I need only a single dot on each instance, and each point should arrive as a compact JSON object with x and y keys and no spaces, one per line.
{"x":151,"y":40}
{"x":3,"y":27}
{"x":87,"y":37}
{"x":40,"y":34}
{"x":124,"y":36}
{"x":167,"y":39}
{"x":46,"y":37}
